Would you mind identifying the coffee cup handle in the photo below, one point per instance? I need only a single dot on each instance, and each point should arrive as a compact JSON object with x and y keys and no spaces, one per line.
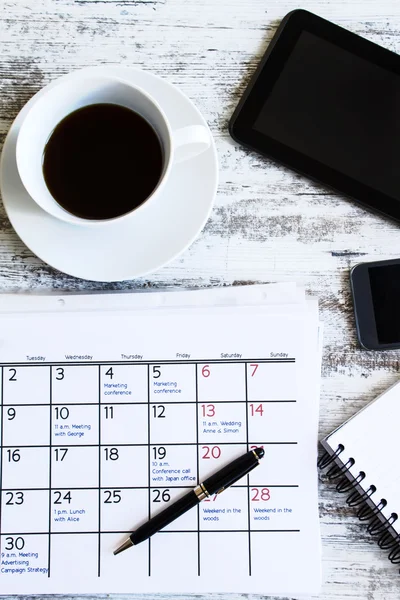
{"x":190,"y":141}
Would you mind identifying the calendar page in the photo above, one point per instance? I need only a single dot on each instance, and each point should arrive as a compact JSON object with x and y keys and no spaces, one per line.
{"x":106,"y":418}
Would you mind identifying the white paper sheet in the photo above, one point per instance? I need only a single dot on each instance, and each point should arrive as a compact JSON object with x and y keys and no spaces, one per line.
{"x":108,"y":416}
{"x":274,"y":293}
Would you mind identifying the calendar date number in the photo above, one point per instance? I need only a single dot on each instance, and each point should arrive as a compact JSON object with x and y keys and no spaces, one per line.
{"x":13,"y":374}
{"x":111,"y":453}
{"x":256,"y":410}
{"x":59,"y":373}
{"x":159,"y":452}
{"x":60,"y":454}
{"x":156,"y":372}
{"x":260,"y":494}
{"x":61,"y":497}
{"x":14,"y":543}
{"x":112,"y":496}
{"x":158,"y":411}
{"x":161,"y":495}
{"x":205,"y":371}
{"x":208,"y":410}
{"x":211,"y":452}
{"x":13,"y":455}
{"x":11,"y":414}
{"x":14,"y":498}
{"x":61,"y":412}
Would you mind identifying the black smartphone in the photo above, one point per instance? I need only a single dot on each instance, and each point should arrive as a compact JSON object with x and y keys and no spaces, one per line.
{"x":376,"y":296}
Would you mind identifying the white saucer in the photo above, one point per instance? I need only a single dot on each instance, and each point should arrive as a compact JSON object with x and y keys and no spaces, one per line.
{"x":134,"y":247}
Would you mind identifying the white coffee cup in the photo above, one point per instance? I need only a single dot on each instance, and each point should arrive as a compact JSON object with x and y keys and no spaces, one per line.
{"x":64,"y":98}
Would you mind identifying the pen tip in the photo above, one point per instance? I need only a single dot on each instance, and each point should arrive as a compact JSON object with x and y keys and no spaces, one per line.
{"x":127,"y":544}
{"x":260,"y":452}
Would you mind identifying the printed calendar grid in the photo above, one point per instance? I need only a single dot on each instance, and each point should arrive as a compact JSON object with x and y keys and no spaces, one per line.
{"x":102,"y":446}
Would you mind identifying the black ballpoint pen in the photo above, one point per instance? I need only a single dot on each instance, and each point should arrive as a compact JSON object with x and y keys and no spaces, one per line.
{"x":215,"y":484}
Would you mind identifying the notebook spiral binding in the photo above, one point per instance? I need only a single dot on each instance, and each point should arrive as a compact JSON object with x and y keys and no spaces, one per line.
{"x":378,"y":526}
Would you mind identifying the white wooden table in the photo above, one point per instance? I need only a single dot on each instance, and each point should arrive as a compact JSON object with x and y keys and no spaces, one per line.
{"x":268,"y":224}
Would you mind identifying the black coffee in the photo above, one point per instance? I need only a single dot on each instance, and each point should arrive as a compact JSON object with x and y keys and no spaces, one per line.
{"x":102,"y":161}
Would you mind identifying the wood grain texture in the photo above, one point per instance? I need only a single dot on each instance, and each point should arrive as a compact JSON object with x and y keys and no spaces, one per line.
{"x":268,"y":223}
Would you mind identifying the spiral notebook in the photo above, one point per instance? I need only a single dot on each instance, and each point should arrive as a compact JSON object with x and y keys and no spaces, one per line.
{"x":362,"y":459}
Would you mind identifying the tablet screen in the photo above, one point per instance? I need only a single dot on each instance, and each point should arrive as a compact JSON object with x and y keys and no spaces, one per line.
{"x":339,"y":109}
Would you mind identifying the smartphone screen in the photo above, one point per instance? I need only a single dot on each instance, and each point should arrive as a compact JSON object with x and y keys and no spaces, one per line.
{"x":385,"y":291}
{"x":376,"y":295}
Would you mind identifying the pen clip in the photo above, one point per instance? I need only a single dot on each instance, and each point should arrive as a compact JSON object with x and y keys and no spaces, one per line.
{"x":228,"y":484}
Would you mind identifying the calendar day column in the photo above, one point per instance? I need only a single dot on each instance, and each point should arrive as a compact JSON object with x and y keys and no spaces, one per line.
{"x":173,"y":465}
{"x":1,"y":446}
{"x":274,"y":494}
{"x":124,"y":465}
{"x":222,"y":432}
{"x":25,"y":474}
{"x":74,"y":509}
{"x":1,"y":437}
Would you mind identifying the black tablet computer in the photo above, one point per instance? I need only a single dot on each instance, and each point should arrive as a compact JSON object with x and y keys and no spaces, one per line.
{"x":326,"y":103}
